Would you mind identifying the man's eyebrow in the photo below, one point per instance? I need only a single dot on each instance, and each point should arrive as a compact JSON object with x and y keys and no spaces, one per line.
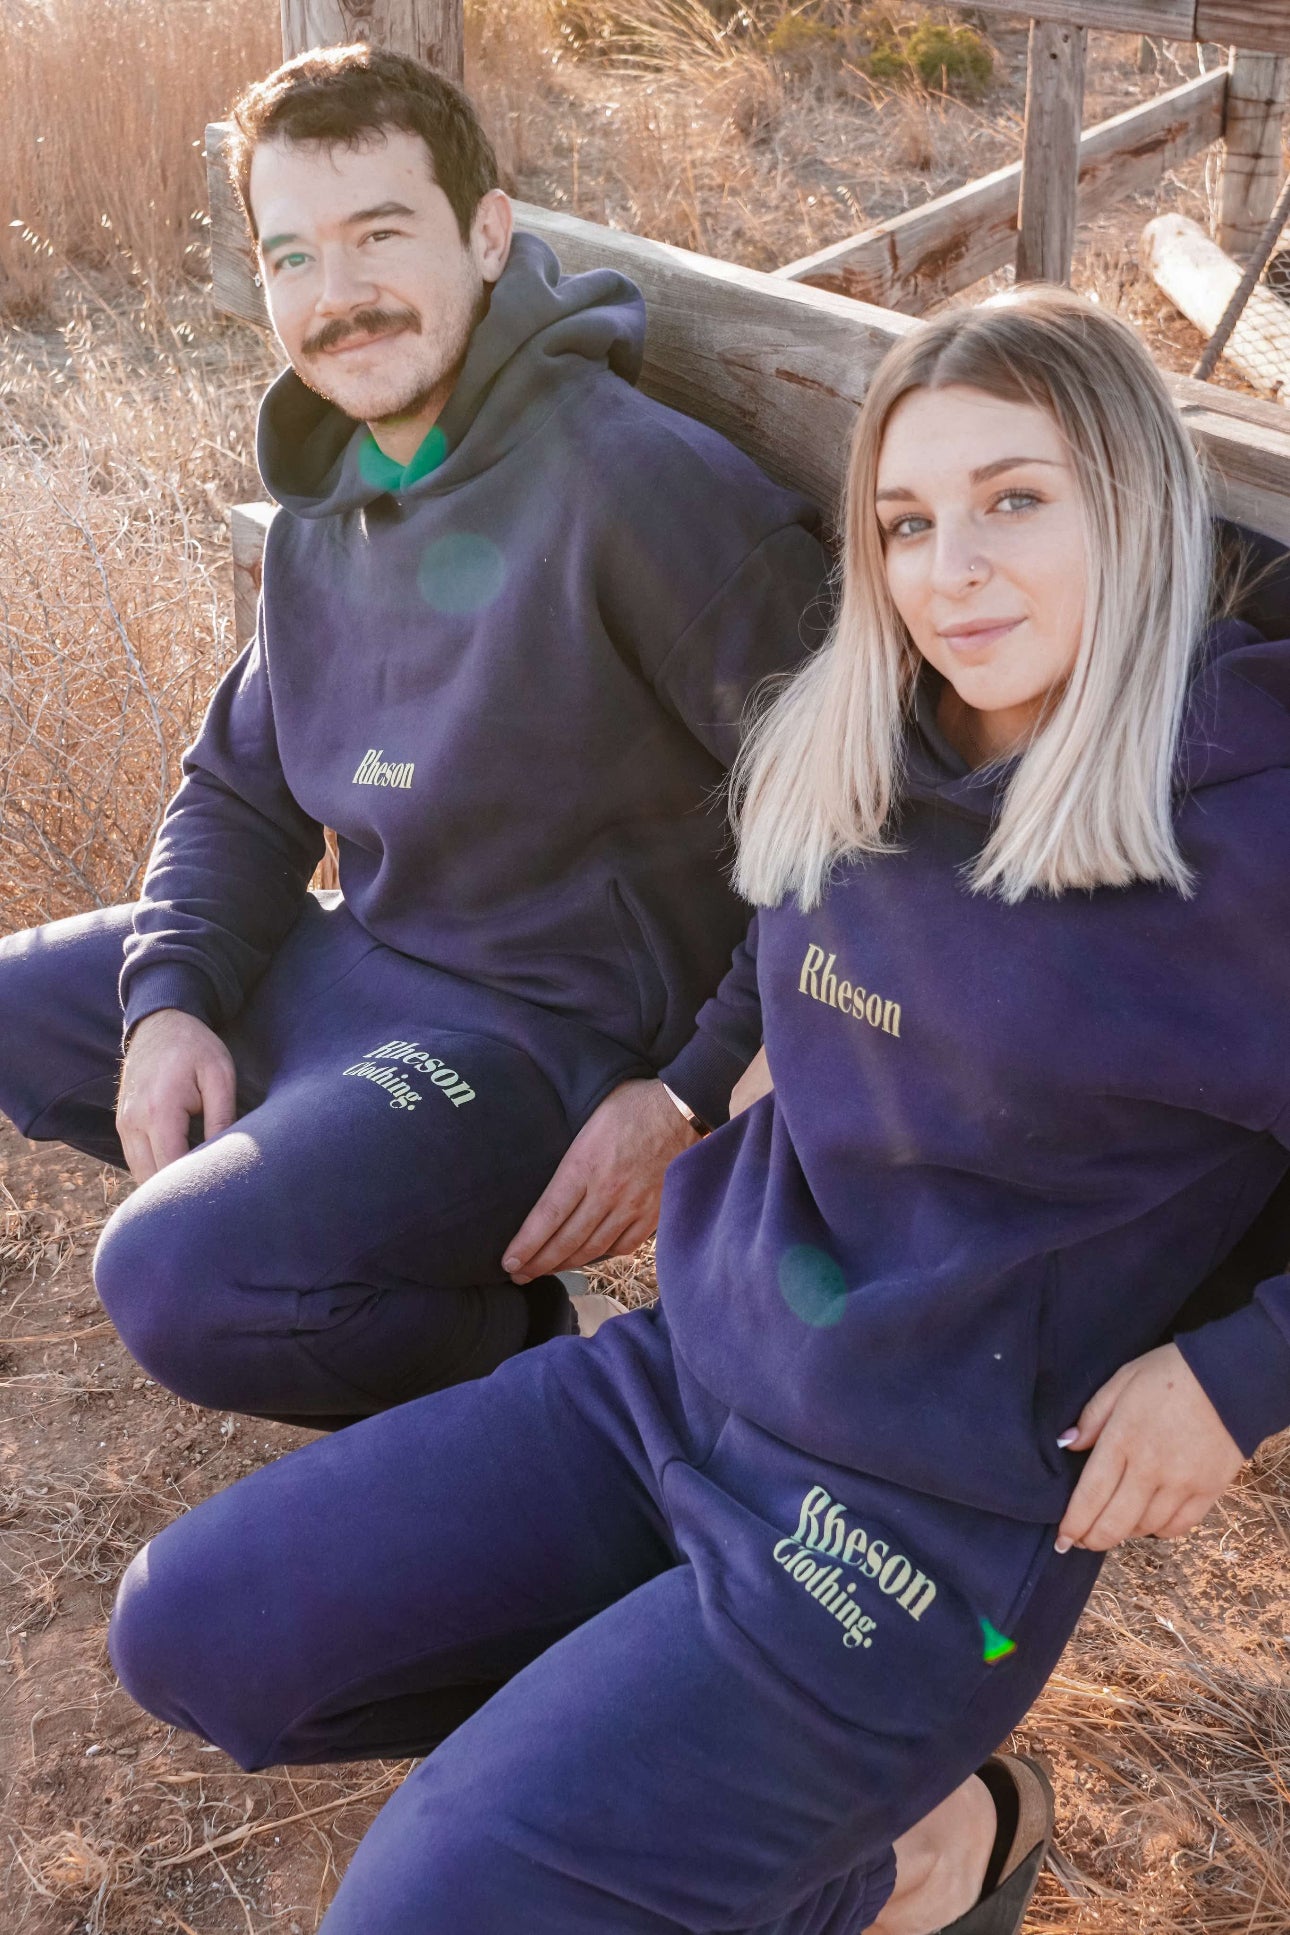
{"x":381,"y":210}
{"x":978,"y":476}
{"x":360,"y":215}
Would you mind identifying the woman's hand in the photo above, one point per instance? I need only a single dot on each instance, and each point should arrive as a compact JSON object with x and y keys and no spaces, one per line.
{"x":752,"y":1084}
{"x":1161,"y":1455}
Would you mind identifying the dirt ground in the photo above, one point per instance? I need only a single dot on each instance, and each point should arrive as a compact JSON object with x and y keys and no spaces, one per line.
{"x":1168,"y":1724}
{"x":110,"y":1823}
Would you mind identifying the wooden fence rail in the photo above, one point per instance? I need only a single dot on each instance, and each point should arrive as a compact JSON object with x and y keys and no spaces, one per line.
{"x":929,"y":253}
{"x":1263,"y":26}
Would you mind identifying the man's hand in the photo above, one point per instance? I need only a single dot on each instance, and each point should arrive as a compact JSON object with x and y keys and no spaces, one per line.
{"x":1161,"y":1455}
{"x":752,"y":1084}
{"x":603,"y":1199}
{"x":175,"y":1067}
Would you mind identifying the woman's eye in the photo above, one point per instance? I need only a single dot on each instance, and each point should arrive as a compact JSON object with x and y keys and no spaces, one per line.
{"x":1017,"y":500}
{"x":911,"y":525}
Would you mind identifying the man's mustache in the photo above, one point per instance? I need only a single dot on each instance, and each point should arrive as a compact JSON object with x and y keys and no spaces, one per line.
{"x":364,"y":322}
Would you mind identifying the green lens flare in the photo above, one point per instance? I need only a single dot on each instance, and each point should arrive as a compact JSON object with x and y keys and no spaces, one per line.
{"x":813,"y":1286}
{"x":997,"y":1644}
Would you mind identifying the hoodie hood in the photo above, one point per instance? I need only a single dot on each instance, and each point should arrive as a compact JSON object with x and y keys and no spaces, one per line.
{"x":1237,"y":724}
{"x":543,"y":331}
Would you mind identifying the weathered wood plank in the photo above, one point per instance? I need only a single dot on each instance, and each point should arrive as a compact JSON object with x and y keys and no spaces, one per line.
{"x":1050,"y":162}
{"x":1166,"y":19}
{"x":429,"y":30}
{"x":1247,"y":444}
{"x":1257,"y":90}
{"x":235,"y":278}
{"x":933,"y":251}
{"x":1261,"y":25}
{"x":248,"y":528}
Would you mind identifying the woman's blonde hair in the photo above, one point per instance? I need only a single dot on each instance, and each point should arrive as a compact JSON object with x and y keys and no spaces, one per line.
{"x":1090,"y":801}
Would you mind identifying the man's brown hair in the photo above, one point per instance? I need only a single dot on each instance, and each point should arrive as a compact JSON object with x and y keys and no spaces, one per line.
{"x":344,"y":97}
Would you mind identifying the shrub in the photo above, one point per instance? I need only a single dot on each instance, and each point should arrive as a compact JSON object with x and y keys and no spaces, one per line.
{"x":934,"y":54}
{"x":798,"y":40}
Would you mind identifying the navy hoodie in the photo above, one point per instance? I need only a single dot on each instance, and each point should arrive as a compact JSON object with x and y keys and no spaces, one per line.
{"x":512,"y":688}
{"x":1005,"y":1143}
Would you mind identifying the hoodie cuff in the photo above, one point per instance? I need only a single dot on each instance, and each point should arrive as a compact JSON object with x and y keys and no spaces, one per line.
{"x":171,"y":984}
{"x":703,"y":1075}
{"x":1242,"y":1363}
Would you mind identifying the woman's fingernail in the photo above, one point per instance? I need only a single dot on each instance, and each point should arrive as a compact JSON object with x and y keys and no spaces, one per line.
{"x":1067,"y":1439}
{"x":510,"y":1263}
{"x":1063,"y":1545}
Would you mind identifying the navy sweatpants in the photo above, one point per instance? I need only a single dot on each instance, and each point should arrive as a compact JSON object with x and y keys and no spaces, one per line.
{"x":339,"y":1248}
{"x":671,"y":1673}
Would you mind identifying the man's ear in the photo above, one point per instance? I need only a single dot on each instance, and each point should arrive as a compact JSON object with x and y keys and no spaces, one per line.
{"x":490,"y":233}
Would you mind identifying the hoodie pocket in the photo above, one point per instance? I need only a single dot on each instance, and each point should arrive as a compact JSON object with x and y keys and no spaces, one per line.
{"x":651,"y":989}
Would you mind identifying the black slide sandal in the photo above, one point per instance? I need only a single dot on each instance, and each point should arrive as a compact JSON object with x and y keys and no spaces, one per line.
{"x":1023,"y":1797}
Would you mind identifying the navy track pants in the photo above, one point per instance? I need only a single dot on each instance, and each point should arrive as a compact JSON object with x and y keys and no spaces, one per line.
{"x":671,"y":1673}
{"x":339,"y":1248}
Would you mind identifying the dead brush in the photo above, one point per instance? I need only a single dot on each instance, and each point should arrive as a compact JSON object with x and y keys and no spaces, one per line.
{"x":30,"y":1240}
{"x":68,"y":1866}
{"x":629,"y":1278}
{"x":1169,"y":1723}
{"x":100,"y":141}
{"x":120,"y":454}
{"x":68,"y":1530}
{"x":173,"y":1836}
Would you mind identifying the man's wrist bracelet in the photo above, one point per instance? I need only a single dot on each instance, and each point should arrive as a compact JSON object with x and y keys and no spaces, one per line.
{"x":696,"y":1122}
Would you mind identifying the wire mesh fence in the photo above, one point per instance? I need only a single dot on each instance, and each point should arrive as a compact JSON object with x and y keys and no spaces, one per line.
{"x":1254,"y":329}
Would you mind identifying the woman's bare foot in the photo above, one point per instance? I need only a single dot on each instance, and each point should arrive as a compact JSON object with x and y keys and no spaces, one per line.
{"x":941,"y":1864}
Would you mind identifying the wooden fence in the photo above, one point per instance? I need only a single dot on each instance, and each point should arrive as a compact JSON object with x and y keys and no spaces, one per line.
{"x":779,"y":362}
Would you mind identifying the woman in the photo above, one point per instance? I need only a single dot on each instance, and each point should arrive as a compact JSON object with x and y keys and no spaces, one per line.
{"x":757,"y":1580}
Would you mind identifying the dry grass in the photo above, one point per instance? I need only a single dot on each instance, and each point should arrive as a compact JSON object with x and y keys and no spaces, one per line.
{"x":197,"y":1826}
{"x":100,"y":141}
{"x":121,"y":449}
{"x":677,"y":126}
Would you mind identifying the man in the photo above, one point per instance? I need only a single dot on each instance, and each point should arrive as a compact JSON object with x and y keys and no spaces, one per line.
{"x":512,"y":613}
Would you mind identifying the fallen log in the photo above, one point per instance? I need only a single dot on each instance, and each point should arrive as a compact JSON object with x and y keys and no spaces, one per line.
{"x":1200,"y":280}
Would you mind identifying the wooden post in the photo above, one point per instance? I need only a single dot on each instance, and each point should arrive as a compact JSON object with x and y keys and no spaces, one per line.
{"x":429,"y":30}
{"x":249,"y":526}
{"x":1257,"y":88}
{"x":1050,"y":160}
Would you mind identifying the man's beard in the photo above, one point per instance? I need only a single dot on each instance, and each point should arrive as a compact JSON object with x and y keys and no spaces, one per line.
{"x":426,"y":386}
